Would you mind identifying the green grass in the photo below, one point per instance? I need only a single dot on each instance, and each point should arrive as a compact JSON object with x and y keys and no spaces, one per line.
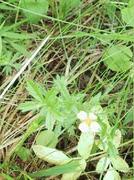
{"x":75,"y":52}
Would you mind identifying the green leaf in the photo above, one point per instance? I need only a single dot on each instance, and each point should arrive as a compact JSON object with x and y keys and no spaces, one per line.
{"x":76,"y":173}
{"x":117,"y":58}
{"x":131,"y":3}
{"x":0,"y":46}
{"x":117,"y":138}
{"x":35,"y":90}
{"x":66,"y":6}
{"x":128,"y":15}
{"x":18,"y":36}
{"x":29,"y":106}
{"x":112,"y":175}
{"x":102,"y":165}
{"x":33,"y":9}
{"x":119,"y":164}
{"x":47,"y":138}
{"x":85,"y":144}
{"x":57,"y":170}
{"x":19,"y":48}
{"x":60,"y":83}
{"x":110,"y":9}
{"x":129,"y":117}
{"x":50,"y":155}
{"x":4,"y":176}
{"x":23,"y":153}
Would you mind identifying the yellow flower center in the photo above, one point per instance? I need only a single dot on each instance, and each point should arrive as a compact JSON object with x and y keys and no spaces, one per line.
{"x":88,"y":121}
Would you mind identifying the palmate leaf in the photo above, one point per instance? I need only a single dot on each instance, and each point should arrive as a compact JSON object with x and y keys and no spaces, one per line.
{"x":33,"y":9}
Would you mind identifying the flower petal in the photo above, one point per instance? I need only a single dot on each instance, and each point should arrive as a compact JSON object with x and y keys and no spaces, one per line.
{"x":82,"y":115}
{"x":92,"y":116}
{"x":95,"y":127}
{"x":83,"y":127}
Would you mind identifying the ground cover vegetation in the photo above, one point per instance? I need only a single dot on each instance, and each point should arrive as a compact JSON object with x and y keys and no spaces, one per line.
{"x":66,"y":89}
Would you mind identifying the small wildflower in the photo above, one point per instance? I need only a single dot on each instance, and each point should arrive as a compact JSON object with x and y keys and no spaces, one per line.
{"x":89,"y":122}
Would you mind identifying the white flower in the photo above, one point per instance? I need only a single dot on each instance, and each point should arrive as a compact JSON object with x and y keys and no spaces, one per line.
{"x":89,"y":122}
{"x":82,"y":115}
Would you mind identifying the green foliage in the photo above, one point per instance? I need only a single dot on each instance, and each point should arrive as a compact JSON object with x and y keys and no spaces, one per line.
{"x":69,"y":167}
{"x":8,"y":62}
{"x":66,"y":6}
{"x":49,"y":115}
{"x":109,"y":8}
{"x":76,"y":173}
{"x":85,"y":145}
{"x":118,"y":57}
{"x":6,"y":176}
{"x":102,"y":165}
{"x":50,"y":155}
{"x":129,"y":116}
{"x":10,"y":54}
{"x":119,"y":164}
{"x":23,"y":153}
{"x":130,"y":3}
{"x":33,"y":9}
{"x":112,"y":175}
{"x":57,"y":105}
{"x":47,"y":138}
{"x":0,"y":46}
{"x":127,"y":14}
{"x":35,"y":90}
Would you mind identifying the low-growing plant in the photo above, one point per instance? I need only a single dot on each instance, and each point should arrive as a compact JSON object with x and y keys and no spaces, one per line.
{"x":61,"y":112}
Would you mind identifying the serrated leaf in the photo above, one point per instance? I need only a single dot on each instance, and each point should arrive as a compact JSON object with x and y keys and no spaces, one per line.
{"x":85,"y":144}
{"x":29,"y":106}
{"x":74,"y":175}
{"x":102,"y":165}
{"x":50,"y":121}
{"x":50,"y":155}
{"x":117,"y":58}
{"x":35,"y":90}
{"x":19,"y":48}
{"x":128,"y":15}
{"x":119,"y":164}
{"x":34,"y":9}
{"x":112,"y":175}
{"x":47,"y":138}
